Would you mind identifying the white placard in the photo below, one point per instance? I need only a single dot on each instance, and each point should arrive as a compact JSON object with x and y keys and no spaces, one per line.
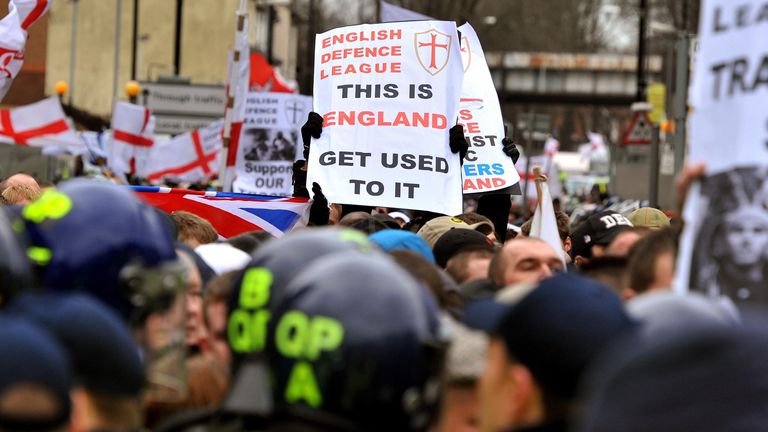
{"x":723,"y":250}
{"x":270,"y":142}
{"x":486,"y":167}
{"x":388,"y":94}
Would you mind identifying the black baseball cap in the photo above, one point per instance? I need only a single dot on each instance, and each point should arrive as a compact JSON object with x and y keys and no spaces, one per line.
{"x":459,"y":240}
{"x":598,"y":229}
{"x":556,"y":328}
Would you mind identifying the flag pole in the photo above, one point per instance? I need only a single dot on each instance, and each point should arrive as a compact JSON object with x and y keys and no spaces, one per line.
{"x":538,"y":178}
{"x":225,"y":183}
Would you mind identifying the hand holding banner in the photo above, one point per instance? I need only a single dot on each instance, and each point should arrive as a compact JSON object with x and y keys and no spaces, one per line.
{"x":388,"y":95}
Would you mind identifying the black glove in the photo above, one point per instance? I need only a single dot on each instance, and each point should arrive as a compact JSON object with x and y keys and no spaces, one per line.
{"x":312,"y":128}
{"x":510,"y":149}
{"x":458,"y":142}
{"x":319,"y":211}
{"x":299,"y":180}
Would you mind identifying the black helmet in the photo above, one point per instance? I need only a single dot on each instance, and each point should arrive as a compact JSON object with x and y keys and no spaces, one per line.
{"x":99,"y":238}
{"x":355,"y":344}
{"x":273,"y":266}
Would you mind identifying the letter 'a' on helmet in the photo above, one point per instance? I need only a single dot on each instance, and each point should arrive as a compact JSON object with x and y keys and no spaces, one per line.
{"x":355,"y":345}
{"x":265,"y":277}
{"x":99,"y":238}
{"x":15,"y":271}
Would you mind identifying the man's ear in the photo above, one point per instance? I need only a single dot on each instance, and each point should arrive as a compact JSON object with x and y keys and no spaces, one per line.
{"x":580,"y":261}
{"x":567,"y":244}
{"x":527,"y":401}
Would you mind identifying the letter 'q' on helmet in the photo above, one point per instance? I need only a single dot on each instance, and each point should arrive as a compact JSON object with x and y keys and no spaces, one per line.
{"x":99,"y":238}
{"x":271,"y":269}
{"x":355,"y":345}
{"x":15,"y":272}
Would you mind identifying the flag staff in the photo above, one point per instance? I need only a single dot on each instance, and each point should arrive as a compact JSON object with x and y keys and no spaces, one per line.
{"x":225,"y":175}
{"x":538,"y":178}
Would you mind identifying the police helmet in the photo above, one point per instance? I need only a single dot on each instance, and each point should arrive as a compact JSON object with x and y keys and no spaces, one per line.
{"x":355,"y":344}
{"x":99,"y":238}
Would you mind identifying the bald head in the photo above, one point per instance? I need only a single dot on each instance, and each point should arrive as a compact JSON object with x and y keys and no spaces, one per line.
{"x":19,"y":189}
{"x":20,"y":178}
{"x":524,"y":260}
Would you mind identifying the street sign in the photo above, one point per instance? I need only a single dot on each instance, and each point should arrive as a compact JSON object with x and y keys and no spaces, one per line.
{"x":639,"y":131}
{"x":175,"y":125}
{"x":185,"y":99}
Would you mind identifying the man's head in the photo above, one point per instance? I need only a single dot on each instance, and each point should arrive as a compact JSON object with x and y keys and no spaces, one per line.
{"x":20,"y":194}
{"x":470,"y":265}
{"x":651,"y":261}
{"x":435,"y":228}
{"x":194,"y":230}
{"x":593,"y":236}
{"x":524,"y":260}
{"x":563,"y":229}
{"x":746,"y":235}
{"x":620,"y":245}
{"x":542,"y":340}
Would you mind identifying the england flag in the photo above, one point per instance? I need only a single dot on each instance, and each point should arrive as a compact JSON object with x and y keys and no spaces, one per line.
{"x":188,"y":157}
{"x":13,"y":37}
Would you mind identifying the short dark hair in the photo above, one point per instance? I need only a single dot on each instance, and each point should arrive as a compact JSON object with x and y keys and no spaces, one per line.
{"x":457,"y":265}
{"x":643,"y":254}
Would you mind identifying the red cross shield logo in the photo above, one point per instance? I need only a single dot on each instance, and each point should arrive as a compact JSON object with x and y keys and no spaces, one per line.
{"x":433,"y":49}
{"x":466,"y":53}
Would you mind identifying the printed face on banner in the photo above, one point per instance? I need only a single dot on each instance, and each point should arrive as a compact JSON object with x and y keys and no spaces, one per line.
{"x":486,"y":167}
{"x":388,"y":95}
{"x":730,"y":254}
{"x":270,"y":142}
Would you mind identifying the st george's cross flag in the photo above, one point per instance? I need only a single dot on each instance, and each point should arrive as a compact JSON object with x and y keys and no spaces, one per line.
{"x":132,"y":138}
{"x":39,"y":124}
{"x":188,"y":157}
{"x":231,"y":213}
{"x":13,"y":37}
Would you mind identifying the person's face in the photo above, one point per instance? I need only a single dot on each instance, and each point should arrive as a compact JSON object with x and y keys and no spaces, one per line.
{"x":195,"y":328}
{"x":747,"y":239}
{"x":216,"y":314}
{"x":529,"y":261}
{"x":494,"y":388}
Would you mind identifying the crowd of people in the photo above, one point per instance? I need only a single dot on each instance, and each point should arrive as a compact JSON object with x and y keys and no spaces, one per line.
{"x":118,"y":317}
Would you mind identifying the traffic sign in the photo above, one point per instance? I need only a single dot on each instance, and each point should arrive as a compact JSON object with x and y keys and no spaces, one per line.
{"x":640,"y":131}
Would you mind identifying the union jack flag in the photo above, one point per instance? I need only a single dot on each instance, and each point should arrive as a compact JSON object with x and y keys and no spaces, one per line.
{"x":231,"y":213}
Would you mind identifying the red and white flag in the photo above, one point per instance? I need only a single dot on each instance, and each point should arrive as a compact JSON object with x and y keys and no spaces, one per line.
{"x":13,"y":37}
{"x":133,"y":129}
{"x":41,"y":124}
{"x":189,"y":157}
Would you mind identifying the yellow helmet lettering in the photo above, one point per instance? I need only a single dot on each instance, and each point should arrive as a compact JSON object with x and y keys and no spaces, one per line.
{"x":325,"y":334}
{"x":254,"y":291}
{"x":302,"y":386}
{"x":247,"y":331}
{"x":50,"y":205}
{"x":291,"y":333}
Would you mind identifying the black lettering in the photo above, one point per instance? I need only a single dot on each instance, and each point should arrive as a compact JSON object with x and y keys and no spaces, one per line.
{"x":327,"y":158}
{"x":425,"y":163}
{"x":763,"y":15}
{"x":441,"y":165}
{"x":718,"y":26}
{"x":390,"y":91}
{"x":412,"y":91}
{"x":345,"y":158}
{"x":363,"y":158}
{"x":738,"y":68}
{"x":408,"y":161}
{"x":385,"y":163}
{"x":357,"y":184}
{"x":425,"y":91}
{"x":344,"y":89}
{"x":762,"y":73}
{"x":742,"y":15}
{"x":375,"y":188}
{"x":411,"y":188}
{"x":716,"y":69}
{"x":470,"y":157}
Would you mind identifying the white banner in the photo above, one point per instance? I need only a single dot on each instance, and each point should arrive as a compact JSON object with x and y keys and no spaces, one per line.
{"x":189,"y":157}
{"x":729,"y":92}
{"x":270,"y":142}
{"x":388,"y":94}
{"x":723,"y":248}
{"x":486,"y":167}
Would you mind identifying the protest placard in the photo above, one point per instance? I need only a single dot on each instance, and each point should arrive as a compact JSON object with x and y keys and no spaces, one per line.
{"x":270,"y":142}
{"x":486,"y":167}
{"x":388,"y":94}
{"x":723,"y":249}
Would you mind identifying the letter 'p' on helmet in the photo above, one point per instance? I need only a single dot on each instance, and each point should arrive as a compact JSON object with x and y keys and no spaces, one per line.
{"x":355,"y":345}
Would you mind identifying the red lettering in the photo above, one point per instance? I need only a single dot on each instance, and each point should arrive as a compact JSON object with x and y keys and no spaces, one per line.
{"x":473,"y":127}
{"x":421,"y":119}
{"x":383,"y":122}
{"x":329,"y":119}
{"x":465,"y":114}
{"x":401,"y":120}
